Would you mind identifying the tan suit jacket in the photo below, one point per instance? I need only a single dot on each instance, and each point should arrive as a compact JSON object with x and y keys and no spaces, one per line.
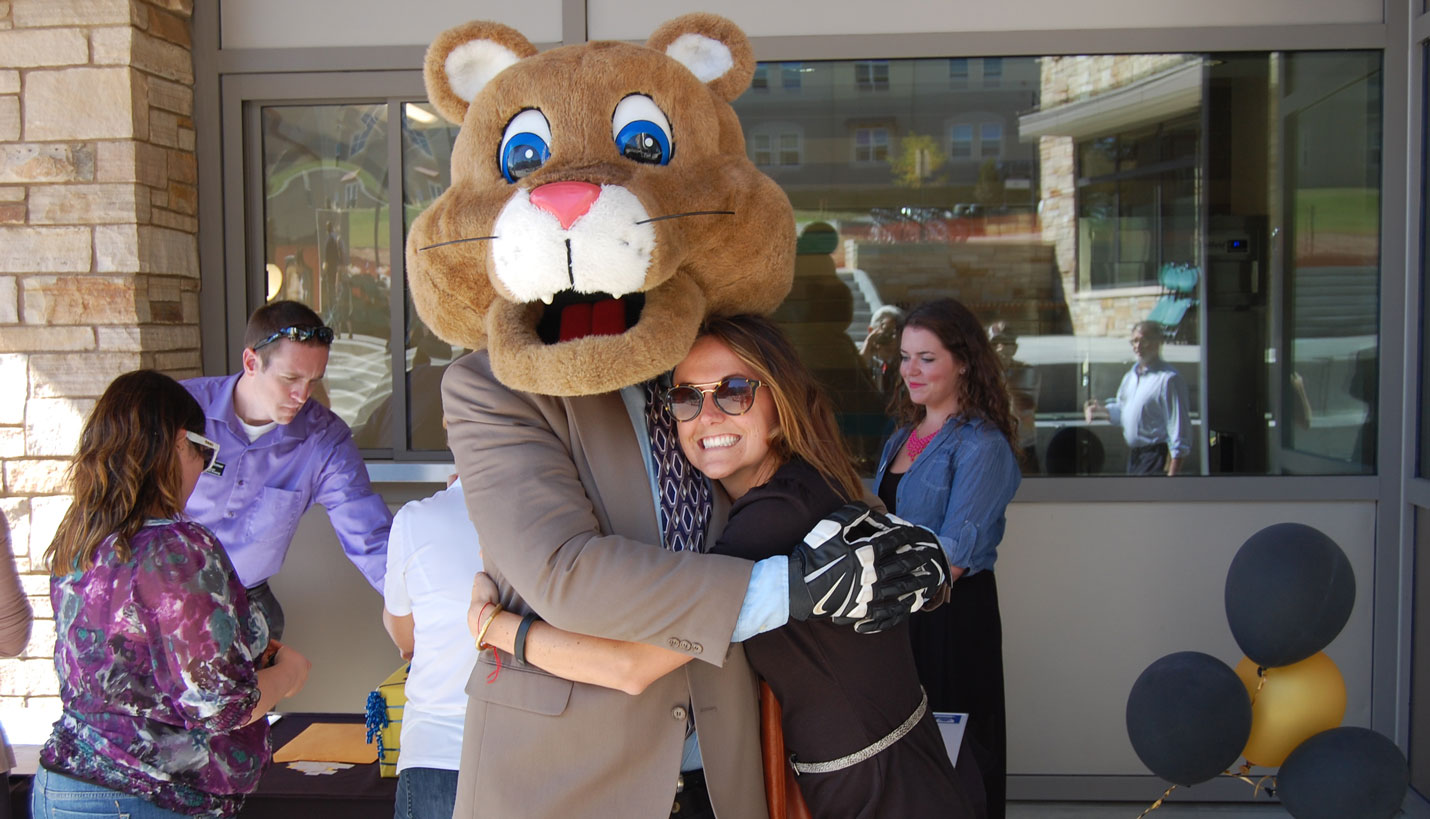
{"x":559,"y":493}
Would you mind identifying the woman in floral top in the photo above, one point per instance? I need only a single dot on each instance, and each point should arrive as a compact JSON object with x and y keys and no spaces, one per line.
{"x":156,"y":649}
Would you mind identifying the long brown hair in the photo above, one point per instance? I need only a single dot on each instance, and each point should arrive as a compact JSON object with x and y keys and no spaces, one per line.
{"x":981,"y":391}
{"x":805,"y":424}
{"x":127,"y":469}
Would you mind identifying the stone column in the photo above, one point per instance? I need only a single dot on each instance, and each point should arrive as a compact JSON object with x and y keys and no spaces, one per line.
{"x":98,"y":257}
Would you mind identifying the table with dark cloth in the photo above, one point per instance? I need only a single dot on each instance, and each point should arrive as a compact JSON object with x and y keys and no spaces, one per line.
{"x":350,"y":793}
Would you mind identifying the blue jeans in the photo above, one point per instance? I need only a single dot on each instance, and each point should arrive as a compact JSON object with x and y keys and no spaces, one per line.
{"x":56,"y":796}
{"x":425,"y":793}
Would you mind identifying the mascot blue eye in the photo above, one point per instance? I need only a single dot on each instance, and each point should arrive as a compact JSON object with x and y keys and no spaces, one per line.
{"x":523,"y":154}
{"x":643,"y":141}
{"x":642,"y":131}
{"x":526,"y":145}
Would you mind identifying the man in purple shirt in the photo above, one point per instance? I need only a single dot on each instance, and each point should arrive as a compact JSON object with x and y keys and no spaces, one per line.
{"x":281,"y":452}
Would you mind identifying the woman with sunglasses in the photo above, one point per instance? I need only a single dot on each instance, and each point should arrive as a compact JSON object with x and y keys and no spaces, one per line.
{"x":951,"y":467}
{"x":855,"y":721}
{"x":156,"y":648}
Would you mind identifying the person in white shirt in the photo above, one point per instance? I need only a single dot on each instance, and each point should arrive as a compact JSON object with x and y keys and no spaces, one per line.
{"x":432,"y":555}
{"x":1152,"y":406}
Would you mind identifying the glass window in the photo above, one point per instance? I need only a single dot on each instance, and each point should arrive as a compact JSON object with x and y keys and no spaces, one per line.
{"x":326,"y":239}
{"x":960,"y":142}
{"x":789,"y":149}
{"x":760,"y":151}
{"x":1139,"y":211}
{"x":1229,"y":201}
{"x":871,"y":145}
{"x":790,"y":76}
{"x":990,"y":140}
{"x":1076,"y":197}
{"x":992,"y":72}
{"x":761,"y":80}
{"x":958,"y":72}
{"x":426,"y":161}
{"x":872,"y":75}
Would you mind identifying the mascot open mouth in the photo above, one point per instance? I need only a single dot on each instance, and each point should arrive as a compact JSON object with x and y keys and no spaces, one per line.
{"x":572,"y":315}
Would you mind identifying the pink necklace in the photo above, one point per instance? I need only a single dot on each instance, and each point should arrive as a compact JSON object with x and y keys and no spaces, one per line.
{"x":916,"y":444}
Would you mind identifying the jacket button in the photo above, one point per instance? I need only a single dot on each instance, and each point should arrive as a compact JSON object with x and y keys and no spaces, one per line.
{"x":696,"y":648}
{"x":685,"y":645}
{"x":673,"y":642}
{"x":679,"y":713}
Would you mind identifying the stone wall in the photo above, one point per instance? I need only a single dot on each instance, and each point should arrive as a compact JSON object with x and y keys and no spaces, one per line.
{"x":98,"y":255}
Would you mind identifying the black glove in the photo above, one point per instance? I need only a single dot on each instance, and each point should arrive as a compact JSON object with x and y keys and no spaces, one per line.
{"x":865,"y":568}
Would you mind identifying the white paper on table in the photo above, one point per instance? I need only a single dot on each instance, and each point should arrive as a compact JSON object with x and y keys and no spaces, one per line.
{"x":951,"y":726}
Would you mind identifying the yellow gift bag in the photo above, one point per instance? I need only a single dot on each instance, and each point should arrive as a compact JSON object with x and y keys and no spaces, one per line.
{"x":384,"y":719}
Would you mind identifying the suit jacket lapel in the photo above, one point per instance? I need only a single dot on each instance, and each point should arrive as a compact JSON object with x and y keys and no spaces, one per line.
{"x":603,"y":433}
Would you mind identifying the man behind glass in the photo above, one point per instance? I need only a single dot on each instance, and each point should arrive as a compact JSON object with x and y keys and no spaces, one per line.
{"x":280,"y":452}
{"x":1152,"y":405}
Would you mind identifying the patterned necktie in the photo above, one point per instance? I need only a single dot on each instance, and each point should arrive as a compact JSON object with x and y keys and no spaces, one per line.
{"x":685,"y":499}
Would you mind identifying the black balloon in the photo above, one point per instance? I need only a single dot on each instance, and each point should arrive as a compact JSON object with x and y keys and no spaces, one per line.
{"x":1188,"y":717}
{"x":1344,"y":773}
{"x":1289,"y":592}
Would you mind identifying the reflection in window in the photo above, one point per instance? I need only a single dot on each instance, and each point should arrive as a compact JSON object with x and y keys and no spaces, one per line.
{"x":992,"y":72}
{"x":958,"y":72}
{"x":872,"y":75}
{"x":760,"y":151}
{"x":1231,"y":199}
{"x":960,"y":142}
{"x":426,"y":159}
{"x":871,"y":145}
{"x":1073,"y":197}
{"x":990,"y":140}
{"x":775,"y":148}
{"x":789,"y":149}
{"x":790,"y":76}
{"x":1137,"y":211}
{"x":326,"y":237}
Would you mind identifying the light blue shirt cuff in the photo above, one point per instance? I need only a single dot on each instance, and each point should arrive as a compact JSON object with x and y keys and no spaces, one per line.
{"x":766,"y":605}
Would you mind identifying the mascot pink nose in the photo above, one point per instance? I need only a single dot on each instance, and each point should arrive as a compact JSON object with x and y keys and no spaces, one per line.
{"x":567,"y":201}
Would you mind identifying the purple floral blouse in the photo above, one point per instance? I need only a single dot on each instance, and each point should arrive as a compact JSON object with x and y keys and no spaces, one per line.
{"x":156,"y":663}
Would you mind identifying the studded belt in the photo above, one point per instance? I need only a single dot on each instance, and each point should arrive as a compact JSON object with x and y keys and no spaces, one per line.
{"x":859,"y":756}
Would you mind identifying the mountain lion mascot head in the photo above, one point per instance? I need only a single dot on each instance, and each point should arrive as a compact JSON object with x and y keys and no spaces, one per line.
{"x":601,"y":204}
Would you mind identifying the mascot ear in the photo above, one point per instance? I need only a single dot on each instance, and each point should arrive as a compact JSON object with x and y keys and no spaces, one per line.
{"x":713,"y":48}
{"x":462,"y":60}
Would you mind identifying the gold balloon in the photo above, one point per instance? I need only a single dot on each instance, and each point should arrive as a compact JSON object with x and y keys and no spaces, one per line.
{"x":1295,"y":703}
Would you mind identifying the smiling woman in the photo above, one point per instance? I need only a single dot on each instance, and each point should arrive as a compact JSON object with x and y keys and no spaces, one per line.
{"x":751,"y":416}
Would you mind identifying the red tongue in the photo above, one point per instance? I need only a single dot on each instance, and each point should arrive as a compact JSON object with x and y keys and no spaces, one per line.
{"x":604,"y":318}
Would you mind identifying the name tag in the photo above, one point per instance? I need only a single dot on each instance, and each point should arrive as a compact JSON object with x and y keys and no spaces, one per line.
{"x":951,"y":726}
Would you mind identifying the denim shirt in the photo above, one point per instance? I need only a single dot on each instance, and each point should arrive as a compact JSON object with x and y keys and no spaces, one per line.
{"x":959,"y":486}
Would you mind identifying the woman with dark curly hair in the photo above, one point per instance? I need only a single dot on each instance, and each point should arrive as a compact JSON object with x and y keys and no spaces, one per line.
{"x":951,"y":467}
{"x":156,"y":648}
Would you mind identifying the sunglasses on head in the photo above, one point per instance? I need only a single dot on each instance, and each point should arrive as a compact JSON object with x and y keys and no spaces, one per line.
{"x":323,"y":335}
{"x":733,"y":394}
{"x":207,"y":448}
